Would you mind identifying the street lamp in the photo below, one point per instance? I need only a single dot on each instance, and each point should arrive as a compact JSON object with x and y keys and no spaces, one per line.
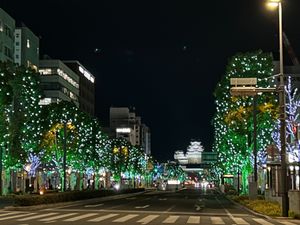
{"x":1,"y":168}
{"x":285,"y":203}
{"x":65,"y":157}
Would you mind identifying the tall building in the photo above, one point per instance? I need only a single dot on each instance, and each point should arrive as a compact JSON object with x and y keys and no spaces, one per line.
{"x":58,"y":82}
{"x":26,"y":48}
{"x":7,"y":27}
{"x":124,"y":123}
{"x":86,"y":87}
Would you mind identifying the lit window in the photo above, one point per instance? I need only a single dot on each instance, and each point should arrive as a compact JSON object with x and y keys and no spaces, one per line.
{"x":45,"y":71}
{"x":28,"y":43}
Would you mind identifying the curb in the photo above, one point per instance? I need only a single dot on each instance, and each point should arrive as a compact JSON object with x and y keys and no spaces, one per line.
{"x":61,"y":204}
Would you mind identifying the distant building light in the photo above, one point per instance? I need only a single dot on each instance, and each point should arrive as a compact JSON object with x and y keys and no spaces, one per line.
{"x":123,"y":130}
{"x":87,"y":74}
{"x":228,"y":176}
{"x":28,"y":43}
{"x":45,"y":101}
{"x":173,"y":182}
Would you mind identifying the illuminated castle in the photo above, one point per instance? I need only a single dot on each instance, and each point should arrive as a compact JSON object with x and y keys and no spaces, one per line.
{"x":193,"y":154}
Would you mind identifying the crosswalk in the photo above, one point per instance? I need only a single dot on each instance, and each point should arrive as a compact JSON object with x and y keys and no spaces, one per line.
{"x":95,"y":218}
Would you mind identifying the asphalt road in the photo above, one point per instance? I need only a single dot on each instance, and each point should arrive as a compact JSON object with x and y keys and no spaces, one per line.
{"x":153,"y":208}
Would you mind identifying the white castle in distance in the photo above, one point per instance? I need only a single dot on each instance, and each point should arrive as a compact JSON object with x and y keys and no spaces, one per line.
{"x":192,"y":156}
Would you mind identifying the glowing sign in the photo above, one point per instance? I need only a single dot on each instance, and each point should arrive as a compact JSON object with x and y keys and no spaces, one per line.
{"x":87,"y":74}
{"x":123,"y":130}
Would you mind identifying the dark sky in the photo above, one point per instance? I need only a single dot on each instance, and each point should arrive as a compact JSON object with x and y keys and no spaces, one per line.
{"x":162,"y":57}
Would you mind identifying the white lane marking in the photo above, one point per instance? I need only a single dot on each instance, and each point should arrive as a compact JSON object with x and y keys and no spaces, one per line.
{"x":169,"y":209}
{"x":125,"y":218}
{"x":100,"y":218}
{"x":162,"y":199}
{"x":287,"y":223}
{"x":216,"y":220}
{"x":142,"y":207}
{"x":147,"y":219}
{"x":90,"y":206}
{"x":36,"y":216}
{"x":58,"y":217}
{"x":81,"y":217}
{"x":239,"y":220}
{"x":131,"y":198}
{"x":262,"y":221}
{"x":194,"y":219}
{"x":15,"y":216}
{"x":171,"y":219}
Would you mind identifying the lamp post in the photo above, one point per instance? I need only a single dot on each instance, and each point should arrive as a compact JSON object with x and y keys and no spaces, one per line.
{"x":1,"y":168}
{"x":65,"y":156}
{"x":285,"y":203}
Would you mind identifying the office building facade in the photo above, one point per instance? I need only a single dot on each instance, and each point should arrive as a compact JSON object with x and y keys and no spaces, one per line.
{"x":86,"y":86}
{"x":58,"y":82}
{"x":26,"y":48}
{"x":7,"y":28}
{"x":125,"y":124}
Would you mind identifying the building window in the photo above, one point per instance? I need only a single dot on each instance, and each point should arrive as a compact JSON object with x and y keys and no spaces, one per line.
{"x":28,"y":43}
{"x":45,"y":71}
{"x":7,"y":31}
{"x":1,"y":26}
{"x":7,"y":52}
{"x":17,"y":43}
{"x":17,"y":56}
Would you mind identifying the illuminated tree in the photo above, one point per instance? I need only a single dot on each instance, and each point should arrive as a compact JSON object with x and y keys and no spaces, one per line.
{"x":292,"y":124}
{"x":120,"y":157}
{"x":20,"y":129}
{"x":233,"y":121}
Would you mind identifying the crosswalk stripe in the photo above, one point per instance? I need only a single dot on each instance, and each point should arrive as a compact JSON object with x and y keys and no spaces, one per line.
{"x":125,"y":218}
{"x":216,"y":220}
{"x":194,"y":219}
{"x":58,"y":217}
{"x":16,"y":216}
{"x":171,"y":219}
{"x":262,"y":221}
{"x":287,"y":223}
{"x":6,"y":214}
{"x":103,"y":217}
{"x":239,"y":220}
{"x":148,"y":219}
{"x":36,"y":216}
{"x":81,"y":217}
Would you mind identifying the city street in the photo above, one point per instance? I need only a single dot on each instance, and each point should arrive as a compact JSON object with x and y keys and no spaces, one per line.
{"x":156,"y":207}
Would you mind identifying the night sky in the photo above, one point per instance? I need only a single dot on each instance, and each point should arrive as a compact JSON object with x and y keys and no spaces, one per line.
{"x":162,"y":57}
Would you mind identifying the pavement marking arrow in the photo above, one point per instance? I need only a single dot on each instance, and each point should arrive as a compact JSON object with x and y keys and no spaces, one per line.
{"x":142,"y":207}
